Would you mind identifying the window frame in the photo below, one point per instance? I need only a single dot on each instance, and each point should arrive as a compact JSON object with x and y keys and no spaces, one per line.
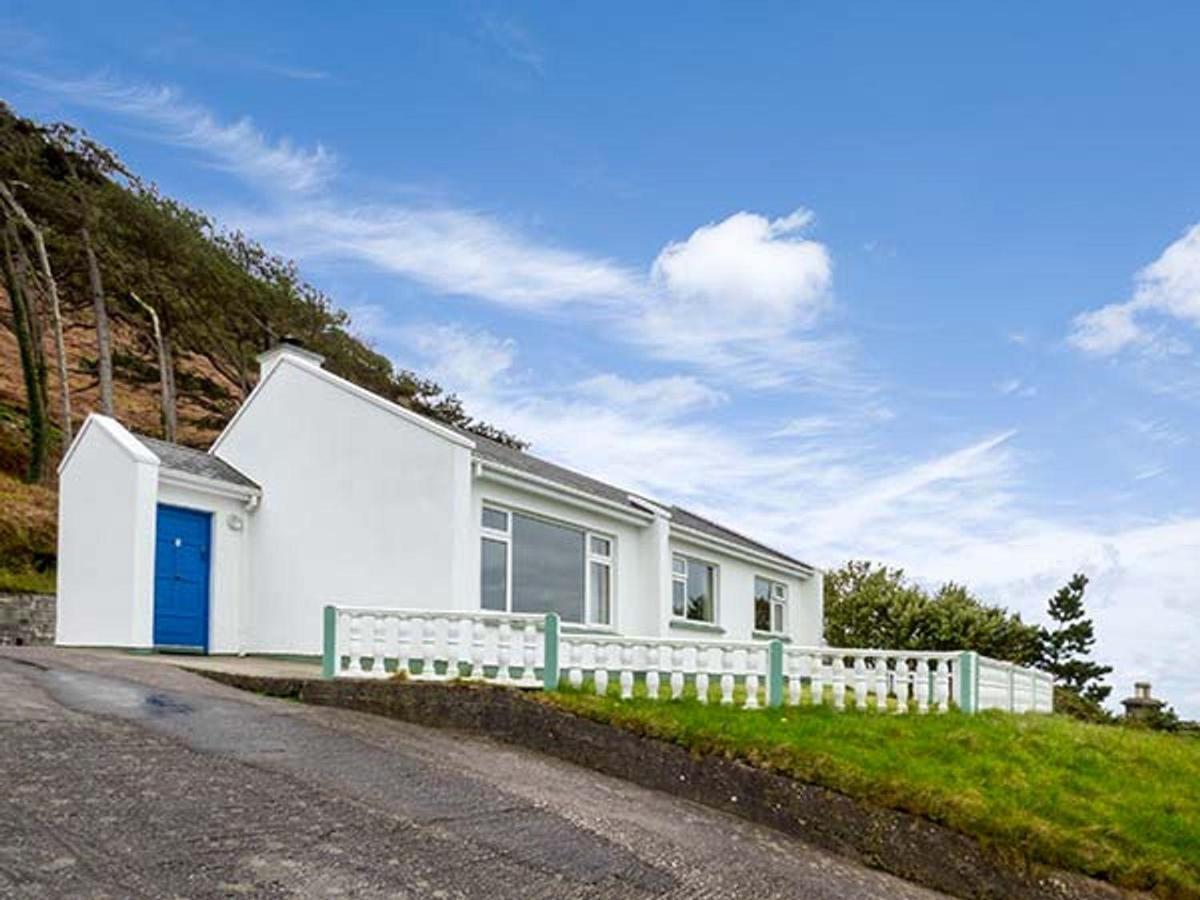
{"x":777,"y":599}
{"x":678,"y":577}
{"x":589,"y":557}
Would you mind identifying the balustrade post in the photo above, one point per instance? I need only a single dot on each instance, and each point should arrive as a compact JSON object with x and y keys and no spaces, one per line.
{"x":625,"y":678}
{"x":478,"y":649}
{"x":700,"y":677}
{"x":921,"y":685}
{"x":600,"y":674}
{"x":775,"y":673}
{"x":379,"y":626}
{"x":331,"y":660}
{"x":550,"y":652}
{"x":676,"y":673}
{"x":839,"y":682}
{"x":654,"y":663}
{"x":504,"y":633}
{"x":354,"y":631}
{"x":860,"y":683}
{"x":966,"y":674}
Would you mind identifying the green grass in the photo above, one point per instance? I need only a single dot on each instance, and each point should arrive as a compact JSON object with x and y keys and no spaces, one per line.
{"x":1110,"y":802}
{"x":26,"y":581}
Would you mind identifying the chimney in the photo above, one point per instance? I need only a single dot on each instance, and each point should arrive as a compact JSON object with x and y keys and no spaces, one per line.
{"x":291,"y":348}
{"x":1141,"y":705}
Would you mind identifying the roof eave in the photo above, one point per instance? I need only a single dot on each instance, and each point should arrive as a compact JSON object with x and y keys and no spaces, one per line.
{"x":548,"y":488}
{"x":786,"y":564}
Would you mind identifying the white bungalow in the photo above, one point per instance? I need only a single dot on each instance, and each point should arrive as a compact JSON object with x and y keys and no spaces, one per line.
{"x":320,"y":492}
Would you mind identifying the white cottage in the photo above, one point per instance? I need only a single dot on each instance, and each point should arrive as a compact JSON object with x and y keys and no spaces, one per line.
{"x":320,"y":492}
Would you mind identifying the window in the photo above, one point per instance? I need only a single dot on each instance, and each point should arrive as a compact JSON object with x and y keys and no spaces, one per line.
{"x":529,"y":564}
{"x":770,"y":605}
{"x":600,"y":580}
{"x":493,"y":585}
{"x":693,"y":589}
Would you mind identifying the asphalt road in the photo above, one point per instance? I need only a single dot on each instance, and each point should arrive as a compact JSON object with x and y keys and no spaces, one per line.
{"x":121,"y":778}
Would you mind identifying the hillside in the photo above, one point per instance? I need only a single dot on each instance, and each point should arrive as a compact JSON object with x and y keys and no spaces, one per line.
{"x":220,"y":298}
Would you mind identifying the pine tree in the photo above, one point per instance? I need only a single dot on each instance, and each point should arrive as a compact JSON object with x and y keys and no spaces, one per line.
{"x":1065,"y":648}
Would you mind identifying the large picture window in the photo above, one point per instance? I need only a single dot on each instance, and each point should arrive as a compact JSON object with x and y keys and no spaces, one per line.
{"x":693,"y":589}
{"x":770,"y":605}
{"x":534,"y":565}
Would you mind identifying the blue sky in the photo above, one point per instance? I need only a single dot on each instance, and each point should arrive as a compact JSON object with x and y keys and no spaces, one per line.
{"x":910,"y":282}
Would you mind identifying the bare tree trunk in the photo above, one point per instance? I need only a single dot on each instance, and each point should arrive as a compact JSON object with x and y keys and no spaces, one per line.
{"x":60,"y":348}
{"x":23,"y":317}
{"x":166,"y":371}
{"x":103,"y":334}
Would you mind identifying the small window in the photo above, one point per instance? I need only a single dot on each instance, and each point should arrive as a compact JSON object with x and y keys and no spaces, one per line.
{"x":601,"y":591}
{"x":693,"y":589}
{"x":493,"y":588}
{"x":770,"y":605}
{"x":678,"y":597}
{"x":601,"y":546}
{"x":495,"y":519}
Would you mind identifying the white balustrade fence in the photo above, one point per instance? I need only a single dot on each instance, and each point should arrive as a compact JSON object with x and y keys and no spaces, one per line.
{"x":1005,"y":685}
{"x":527,"y":650}
{"x":878,"y":680}
{"x":724,"y":671}
{"x":427,"y":645}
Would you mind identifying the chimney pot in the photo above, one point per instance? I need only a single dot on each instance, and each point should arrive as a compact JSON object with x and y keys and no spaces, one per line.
{"x":291,"y":347}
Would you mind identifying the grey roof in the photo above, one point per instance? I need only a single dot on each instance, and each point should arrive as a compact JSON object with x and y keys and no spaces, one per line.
{"x":489,"y":449}
{"x":194,"y":462}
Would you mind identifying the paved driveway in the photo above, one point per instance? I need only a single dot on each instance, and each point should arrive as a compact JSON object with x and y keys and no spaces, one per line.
{"x":121,"y":778}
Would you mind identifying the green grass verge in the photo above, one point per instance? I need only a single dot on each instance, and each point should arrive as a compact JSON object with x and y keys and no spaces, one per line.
{"x":1110,"y":802}
{"x":26,"y":581}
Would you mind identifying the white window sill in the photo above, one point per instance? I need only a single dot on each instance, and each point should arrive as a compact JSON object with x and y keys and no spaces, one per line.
{"x":694,"y":625}
{"x":771,"y":636}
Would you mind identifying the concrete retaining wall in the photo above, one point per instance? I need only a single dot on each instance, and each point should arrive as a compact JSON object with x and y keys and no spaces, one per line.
{"x":905,"y":845}
{"x":26,"y":619}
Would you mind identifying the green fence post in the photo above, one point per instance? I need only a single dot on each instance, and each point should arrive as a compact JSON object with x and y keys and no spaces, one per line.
{"x":550,"y":652}
{"x":775,"y":673}
{"x":968,"y":681}
{"x":329,"y":660}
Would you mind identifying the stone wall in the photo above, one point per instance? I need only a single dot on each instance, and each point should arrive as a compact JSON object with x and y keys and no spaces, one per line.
{"x":26,"y":619}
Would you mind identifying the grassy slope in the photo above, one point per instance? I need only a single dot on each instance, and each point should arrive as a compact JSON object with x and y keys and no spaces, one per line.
{"x":1110,"y":802}
{"x":27,"y":531}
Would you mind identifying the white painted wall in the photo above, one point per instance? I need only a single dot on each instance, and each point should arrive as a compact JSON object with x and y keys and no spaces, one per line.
{"x":735,"y":595}
{"x":360,"y":506}
{"x":106,"y":508}
{"x":229,"y":565}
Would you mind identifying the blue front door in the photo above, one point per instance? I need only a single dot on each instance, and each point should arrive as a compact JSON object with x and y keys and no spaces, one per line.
{"x":181,"y":557}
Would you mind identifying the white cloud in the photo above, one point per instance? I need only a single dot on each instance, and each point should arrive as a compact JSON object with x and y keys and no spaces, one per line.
{"x":1168,"y":287}
{"x":468,"y":360}
{"x":451,"y":251}
{"x":238,"y":147}
{"x":514,"y":40}
{"x":656,"y":398}
{"x":745,"y":275}
{"x":1015,"y":387}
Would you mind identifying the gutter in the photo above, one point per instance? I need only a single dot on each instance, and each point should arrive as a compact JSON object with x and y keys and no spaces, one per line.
{"x":554,"y":490}
{"x":741,"y":552}
{"x":250,"y":496}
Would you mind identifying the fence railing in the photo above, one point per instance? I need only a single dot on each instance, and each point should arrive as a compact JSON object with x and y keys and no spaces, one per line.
{"x":1005,"y":685}
{"x":529,"y":650}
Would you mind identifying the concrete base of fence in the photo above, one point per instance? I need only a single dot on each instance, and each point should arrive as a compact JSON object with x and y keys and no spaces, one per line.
{"x":905,"y":845}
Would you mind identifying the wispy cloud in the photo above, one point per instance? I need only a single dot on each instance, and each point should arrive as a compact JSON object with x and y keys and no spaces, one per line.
{"x":452,"y":251}
{"x":238,"y":147}
{"x":514,"y":41}
{"x":1015,"y":387}
{"x":1168,"y":288}
{"x":741,"y":297}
